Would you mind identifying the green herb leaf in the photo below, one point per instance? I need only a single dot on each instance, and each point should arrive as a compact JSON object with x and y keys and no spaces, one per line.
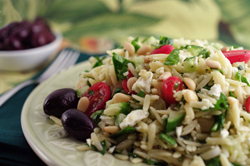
{"x":173,"y":58}
{"x":165,"y":41}
{"x":231,"y":94}
{"x":176,"y":85}
{"x":222,"y":103}
{"x":218,"y":70}
{"x":120,"y":65}
{"x":236,"y":164}
{"x":91,"y":92}
{"x":135,"y":44}
{"x":213,"y":162}
{"x":99,"y":62}
{"x":167,"y":139}
{"x":241,"y":78}
{"x":96,"y":116}
{"x":104,"y":147}
{"x":127,"y":130}
{"x":141,"y":94}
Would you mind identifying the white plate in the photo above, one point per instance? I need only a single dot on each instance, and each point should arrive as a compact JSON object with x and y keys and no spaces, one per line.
{"x":49,"y":141}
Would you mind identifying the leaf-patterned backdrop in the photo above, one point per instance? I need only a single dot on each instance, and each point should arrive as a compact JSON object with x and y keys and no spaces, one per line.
{"x":224,"y":20}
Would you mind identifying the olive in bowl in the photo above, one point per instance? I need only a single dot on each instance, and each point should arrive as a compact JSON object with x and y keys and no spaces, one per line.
{"x":25,"y":45}
{"x":57,"y":102}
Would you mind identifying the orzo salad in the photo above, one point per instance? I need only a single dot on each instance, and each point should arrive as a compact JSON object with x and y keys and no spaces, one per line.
{"x":162,"y":102}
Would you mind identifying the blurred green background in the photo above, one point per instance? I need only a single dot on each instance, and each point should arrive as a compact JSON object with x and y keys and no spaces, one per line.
{"x":224,"y":20}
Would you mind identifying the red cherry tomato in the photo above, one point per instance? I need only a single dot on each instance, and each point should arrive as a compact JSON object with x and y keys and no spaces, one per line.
{"x":125,"y":86}
{"x":98,"y":94}
{"x":169,"y":86}
{"x":247,"y":104}
{"x":237,"y":55}
{"x":165,"y":49}
{"x":130,"y":74}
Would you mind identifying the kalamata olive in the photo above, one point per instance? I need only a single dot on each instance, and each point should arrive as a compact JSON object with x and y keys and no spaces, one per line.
{"x":25,"y":34}
{"x":77,"y":124}
{"x":57,"y":102}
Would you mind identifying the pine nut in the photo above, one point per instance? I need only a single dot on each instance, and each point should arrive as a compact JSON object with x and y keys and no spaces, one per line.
{"x":83,"y":104}
{"x":232,"y":100}
{"x":224,"y":49}
{"x":120,"y":97}
{"x":190,"y":83}
{"x":213,"y":64}
{"x":165,"y":76}
{"x":144,"y":50}
{"x":130,"y":48}
{"x":111,"y":129}
{"x":146,"y":59}
{"x":131,"y":82}
{"x":190,"y":95}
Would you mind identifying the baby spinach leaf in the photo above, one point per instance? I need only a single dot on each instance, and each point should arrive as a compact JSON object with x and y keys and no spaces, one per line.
{"x":120,"y":65}
{"x":241,"y":78}
{"x":173,"y":58}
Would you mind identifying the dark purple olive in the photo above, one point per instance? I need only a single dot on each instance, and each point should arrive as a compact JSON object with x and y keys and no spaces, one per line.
{"x":59,"y":101}
{"x":77,"y":124}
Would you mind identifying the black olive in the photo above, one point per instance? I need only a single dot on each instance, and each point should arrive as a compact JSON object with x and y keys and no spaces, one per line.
{"x":77,"y":124}
{"x":59,"y":101}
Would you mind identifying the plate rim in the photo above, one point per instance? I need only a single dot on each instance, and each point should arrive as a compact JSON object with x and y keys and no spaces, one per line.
{"x":29,"y":134}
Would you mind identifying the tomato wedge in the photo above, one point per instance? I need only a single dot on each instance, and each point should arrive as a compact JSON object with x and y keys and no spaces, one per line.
{"x":98,"y":94}
{"x":237,"y":55}
{"x":165,"y":49}
{"x":247,"y":104}
{"x":169,"y":86}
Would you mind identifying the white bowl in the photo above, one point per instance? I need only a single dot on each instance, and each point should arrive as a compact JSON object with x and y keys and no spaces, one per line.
{"x":21,"y":60}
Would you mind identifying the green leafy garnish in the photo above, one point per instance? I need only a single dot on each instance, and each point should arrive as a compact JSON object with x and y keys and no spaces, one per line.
{"x":222,"y":103}
{"x":236,"y":164}
{"x":173,"y":58}
{"x":165,"y":41}
{"x":141,"y":94}
{"x":99,"y":62}
{"x":120,"y":65}
{"x":176,"y":85}
{"x":127,"y":130}
{"x":213,"y":162}
{"x":134,"y":43}
{"x":96,"y":116}
{"x":218,"y":70}
{"x":104,"y":147}
{"x":89,"y":84}
{"x":91,"y":92}
{"x":167,"y":139}
{"x":241,"y":78}
{"x":231,"y":94}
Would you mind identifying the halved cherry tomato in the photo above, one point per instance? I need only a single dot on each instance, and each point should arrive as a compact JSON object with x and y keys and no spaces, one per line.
{"x":169,"y":86}
{"x":125,"y":86}
{"x":247,"y":104}
{"x":237,"y":55}
{"x":130,"y":74}
{"x":98,"y":94}
{"x":165,"y":49}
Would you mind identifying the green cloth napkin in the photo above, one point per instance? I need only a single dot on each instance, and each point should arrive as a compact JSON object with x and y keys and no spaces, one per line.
{"x":14,"y":149}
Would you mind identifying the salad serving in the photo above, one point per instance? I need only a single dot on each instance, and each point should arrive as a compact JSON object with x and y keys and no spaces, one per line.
{"x":162,"y":102}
